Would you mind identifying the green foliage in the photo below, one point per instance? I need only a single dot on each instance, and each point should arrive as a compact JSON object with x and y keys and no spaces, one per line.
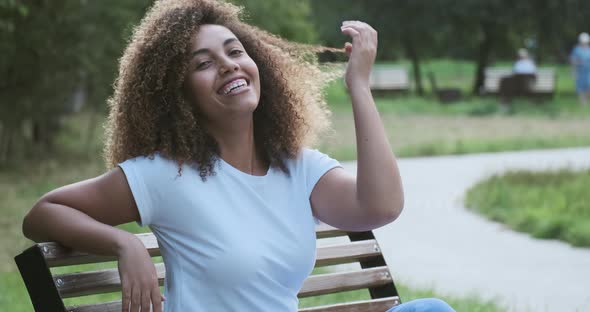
{"x":57,"y":55}
{"x":550,"y":204}
{"x":286,"y":18}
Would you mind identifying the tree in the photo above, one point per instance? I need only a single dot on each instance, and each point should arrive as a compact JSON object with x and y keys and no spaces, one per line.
{"x":286,"y":18}
{"x":52,"y":51}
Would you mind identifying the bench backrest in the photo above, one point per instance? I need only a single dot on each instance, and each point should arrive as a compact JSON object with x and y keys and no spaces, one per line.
{"x":389,"y":78}
{"x":545,"y":81}
{"x":48,"y":290}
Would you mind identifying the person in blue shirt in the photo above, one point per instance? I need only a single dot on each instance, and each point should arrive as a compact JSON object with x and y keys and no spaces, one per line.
{"x":524,"y":64}
{"x":206,"y":143}
{"x":580,"y":60}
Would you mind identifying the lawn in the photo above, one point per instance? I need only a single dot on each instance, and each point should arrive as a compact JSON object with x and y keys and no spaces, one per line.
{"x":420,"y":126}
{"x":553,"y":204}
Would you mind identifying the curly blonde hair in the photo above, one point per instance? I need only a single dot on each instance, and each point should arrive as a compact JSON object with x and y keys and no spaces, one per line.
{"x":149,"y":112}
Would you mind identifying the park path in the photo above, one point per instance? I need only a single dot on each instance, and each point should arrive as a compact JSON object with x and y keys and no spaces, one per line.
{"x":437,"y":243}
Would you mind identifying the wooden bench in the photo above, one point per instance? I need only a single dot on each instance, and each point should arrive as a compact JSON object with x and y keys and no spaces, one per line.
{"x":387,"y":80}
{"x":543,"y":86}
{"x":48,"y":290}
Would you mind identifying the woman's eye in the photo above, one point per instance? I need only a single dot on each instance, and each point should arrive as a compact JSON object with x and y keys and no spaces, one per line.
{"x":236,"y":52}
{"x":203,"y":65}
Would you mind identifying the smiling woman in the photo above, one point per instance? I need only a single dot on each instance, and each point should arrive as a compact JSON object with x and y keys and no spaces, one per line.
{"x":170,"y":68}
{"x":207,"y":144}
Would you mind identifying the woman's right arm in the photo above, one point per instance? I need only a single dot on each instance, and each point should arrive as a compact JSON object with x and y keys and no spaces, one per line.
{"x":82,"y":216}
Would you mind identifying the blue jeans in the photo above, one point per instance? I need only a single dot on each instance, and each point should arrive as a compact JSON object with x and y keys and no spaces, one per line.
{"x":423,"y":305}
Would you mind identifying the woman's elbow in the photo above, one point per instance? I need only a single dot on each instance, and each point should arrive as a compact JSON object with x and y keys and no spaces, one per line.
{"x":392,"y":203}
{"x":31,"y":221}
{"x":393,"y":210}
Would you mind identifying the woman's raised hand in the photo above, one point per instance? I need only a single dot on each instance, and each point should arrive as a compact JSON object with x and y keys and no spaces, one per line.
{"x":361,"y":53}
{"x":139,"y":279}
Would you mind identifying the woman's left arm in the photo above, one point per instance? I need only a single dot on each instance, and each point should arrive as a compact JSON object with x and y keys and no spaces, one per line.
{"x":375,"y":197}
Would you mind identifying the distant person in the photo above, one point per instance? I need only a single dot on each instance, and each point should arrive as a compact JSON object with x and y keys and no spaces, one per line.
{"x":524,"y":64}
{"x":580,"y":59}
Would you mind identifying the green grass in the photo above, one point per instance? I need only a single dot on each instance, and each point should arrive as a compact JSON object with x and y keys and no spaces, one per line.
{"x":459,"y":147}
{"x":554,"y":204}
{"x":473,"y":125}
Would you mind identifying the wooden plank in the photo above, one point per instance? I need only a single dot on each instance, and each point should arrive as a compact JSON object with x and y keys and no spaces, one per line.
{"x":57,"y":255}
{"x":376,"y":305}
{"x":324,"y":231}
{"x":336,"y":282}
{"x":112,"y":306}
{"x":382,"y":291}
{"x":95,"y":282}
{"x":103,"y":281}
{"x":347,"y":252}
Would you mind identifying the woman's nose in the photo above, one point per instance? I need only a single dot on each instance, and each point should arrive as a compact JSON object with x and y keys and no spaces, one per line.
{"x":228,"y":65}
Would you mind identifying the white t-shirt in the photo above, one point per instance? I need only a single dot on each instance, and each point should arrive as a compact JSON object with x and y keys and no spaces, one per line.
{"x":524,"y":66}
{"x":234,"y":242}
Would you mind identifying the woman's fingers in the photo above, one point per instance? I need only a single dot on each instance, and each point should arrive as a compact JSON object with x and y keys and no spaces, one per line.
{"x":146,"y":300}
{"x":361,"y":52}
{"x":157,"y":299}
{"x":126,"y":300}
{"x":348,"y":48}
{"x":135,"y":299}
{"x":350,"y":31}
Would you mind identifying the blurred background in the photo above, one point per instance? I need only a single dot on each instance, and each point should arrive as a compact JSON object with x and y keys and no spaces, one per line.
{"x":441,"y":94}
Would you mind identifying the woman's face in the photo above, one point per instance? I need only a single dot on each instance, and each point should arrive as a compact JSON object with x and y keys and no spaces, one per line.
{"x":222,"y":79}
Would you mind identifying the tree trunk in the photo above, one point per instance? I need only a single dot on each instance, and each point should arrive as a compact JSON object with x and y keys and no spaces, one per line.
{"x":483,"y":55}
{"x":412,"y":53}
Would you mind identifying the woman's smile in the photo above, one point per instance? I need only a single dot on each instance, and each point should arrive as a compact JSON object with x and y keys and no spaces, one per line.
{"x":235,"y":86}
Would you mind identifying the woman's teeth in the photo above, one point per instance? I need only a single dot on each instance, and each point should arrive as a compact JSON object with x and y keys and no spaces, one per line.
{"x":234,"y":86}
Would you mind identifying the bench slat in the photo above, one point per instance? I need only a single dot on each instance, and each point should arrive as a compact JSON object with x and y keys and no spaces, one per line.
{"x":56,"y":255}
{"x":376,"y":305}
{"x":108,"y":281}
{"x":347,"y":253}
{"x":544,"y":83}
{"x":81,"y":284}
{"x":325,"y":231}
{"x":387,"y":78}
{"x":336,"y":282}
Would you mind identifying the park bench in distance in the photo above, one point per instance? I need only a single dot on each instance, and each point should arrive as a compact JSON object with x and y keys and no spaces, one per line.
{"x":542,"y":87}
{"x":389,"y":80}
{"x":47,"y":290}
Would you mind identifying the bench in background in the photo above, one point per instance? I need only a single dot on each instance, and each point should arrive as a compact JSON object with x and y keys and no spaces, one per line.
{"x":387,"y":80}
{"x":48,"y":290}
{"x":544,"y":84}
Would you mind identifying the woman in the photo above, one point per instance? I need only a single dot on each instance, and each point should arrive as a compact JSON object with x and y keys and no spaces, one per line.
{"x":205,"y":140}
{"x":580,"y":59}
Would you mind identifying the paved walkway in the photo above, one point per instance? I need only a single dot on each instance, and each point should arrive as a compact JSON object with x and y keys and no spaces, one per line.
{"x":437,"y":243}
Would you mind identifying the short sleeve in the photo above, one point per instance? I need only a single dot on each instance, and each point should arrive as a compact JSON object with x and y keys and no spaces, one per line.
{"x":316,"y":165}
{"x":133,"y":169}
{"x":574,"y":54}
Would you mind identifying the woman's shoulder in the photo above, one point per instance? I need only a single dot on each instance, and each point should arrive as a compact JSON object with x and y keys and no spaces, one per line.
{"x":311,"y":157}
{"x":155,"y":163}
